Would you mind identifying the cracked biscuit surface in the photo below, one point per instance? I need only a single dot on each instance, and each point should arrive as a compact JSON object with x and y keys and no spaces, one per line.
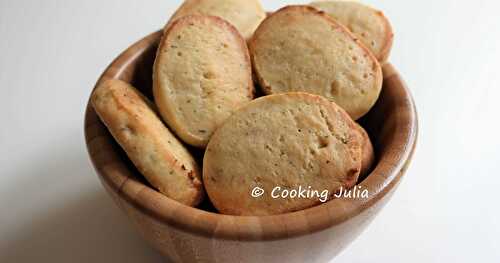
{"x":288,"y":140}
{"x":154,"y":150}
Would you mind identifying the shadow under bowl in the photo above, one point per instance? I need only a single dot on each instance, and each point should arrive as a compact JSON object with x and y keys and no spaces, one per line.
{"x":186,"y":234}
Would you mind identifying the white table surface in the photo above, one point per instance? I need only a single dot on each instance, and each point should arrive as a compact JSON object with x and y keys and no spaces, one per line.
{"x":53,"y":208}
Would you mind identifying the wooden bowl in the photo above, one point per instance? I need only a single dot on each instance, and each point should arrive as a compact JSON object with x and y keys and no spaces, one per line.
{"x":186,"y":234}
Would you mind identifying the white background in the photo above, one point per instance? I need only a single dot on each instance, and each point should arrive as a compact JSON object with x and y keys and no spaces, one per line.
{"x":53,"y":209}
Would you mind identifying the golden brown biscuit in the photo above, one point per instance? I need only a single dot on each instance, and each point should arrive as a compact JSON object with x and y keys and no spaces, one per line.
{"x":368,"y":154}
{"x":154,"y":150}
{"x":245,"y":15}
{"x":369,"y":24}
{"x":299,"y":48}
{"x":292,"y":141}
{"x":202,"y":73}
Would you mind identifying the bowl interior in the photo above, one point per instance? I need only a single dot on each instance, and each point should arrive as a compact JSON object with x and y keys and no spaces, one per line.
{"x":392,"y":125}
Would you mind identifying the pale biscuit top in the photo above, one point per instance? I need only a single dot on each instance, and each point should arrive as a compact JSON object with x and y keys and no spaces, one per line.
{"x":289,"y":140}
{"x":367,"y":23}
{"x":153,"y":149}
{"x":299,"y":48}
{"x":202,"y":73}
{"x":245,"y":15}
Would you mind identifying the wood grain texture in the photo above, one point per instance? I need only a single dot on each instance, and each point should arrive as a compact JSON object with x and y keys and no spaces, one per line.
{"x":186,"y":234}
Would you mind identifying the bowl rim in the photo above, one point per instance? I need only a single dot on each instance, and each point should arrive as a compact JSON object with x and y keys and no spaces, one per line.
{"x":118,"y":178}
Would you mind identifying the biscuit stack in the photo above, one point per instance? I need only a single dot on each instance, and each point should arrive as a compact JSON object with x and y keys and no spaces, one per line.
{"x":318,"y":67}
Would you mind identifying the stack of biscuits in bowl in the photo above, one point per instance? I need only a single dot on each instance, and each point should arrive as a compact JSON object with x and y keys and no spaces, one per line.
{"x":270,"y":101}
